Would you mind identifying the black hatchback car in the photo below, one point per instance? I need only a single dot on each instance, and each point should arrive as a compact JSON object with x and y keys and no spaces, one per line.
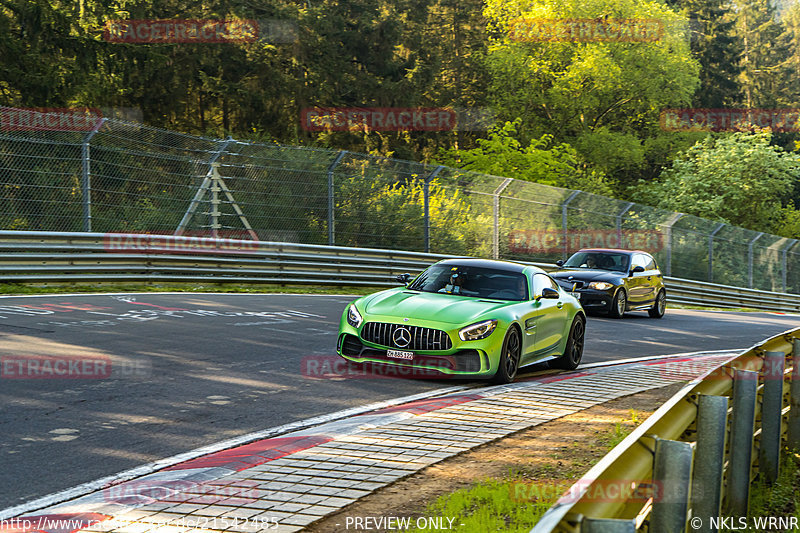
{"x":614,"y":281}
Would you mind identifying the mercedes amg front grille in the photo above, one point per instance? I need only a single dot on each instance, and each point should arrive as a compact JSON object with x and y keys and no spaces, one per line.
{"x":406,"y":337}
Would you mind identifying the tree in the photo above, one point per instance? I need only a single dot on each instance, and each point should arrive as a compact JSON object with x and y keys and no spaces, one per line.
{"x":739,"y":178}
{"x":572,"y":89}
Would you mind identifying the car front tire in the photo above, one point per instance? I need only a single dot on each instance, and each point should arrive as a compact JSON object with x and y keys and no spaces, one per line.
{"x":660,"y":305}
{"x":619,"y":304}
{"x":573,"y":352}
{"x":509,"y":358}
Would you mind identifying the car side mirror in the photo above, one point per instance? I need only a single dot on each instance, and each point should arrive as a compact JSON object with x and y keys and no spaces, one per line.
{"x":637,"y":269}
{"x":560,"y":262}
{"x":404,"y":278}
{"x":549,"y":293}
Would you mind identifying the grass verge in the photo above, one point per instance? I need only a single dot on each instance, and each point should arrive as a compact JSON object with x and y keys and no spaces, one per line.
{"x":22,"y":289}
{"x":782,"y":498}
{"x":514,"y":503}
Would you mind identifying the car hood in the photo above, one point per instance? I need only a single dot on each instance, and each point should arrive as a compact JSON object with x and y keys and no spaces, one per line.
{"x":445,"y":308}
{"x":588,"y":274}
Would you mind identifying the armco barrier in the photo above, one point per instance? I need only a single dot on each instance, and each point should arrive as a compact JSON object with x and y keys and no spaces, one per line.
{"x":56,"y":257}
{"x":697,"y":466}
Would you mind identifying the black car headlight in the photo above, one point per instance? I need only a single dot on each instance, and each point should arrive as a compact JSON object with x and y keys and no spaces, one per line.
{"x":353,"y":316}
{"x":478,"y":331}
{"x":600,"y":285}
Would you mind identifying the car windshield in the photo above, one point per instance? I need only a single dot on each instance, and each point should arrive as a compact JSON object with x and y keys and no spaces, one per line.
{"x":478,"y":282}
{"x":618,"y":262}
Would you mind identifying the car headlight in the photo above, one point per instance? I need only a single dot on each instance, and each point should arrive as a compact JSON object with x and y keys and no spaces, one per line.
{"x":600,"y":285}
{"x":353,"y":316}
{"x":481,"y":330}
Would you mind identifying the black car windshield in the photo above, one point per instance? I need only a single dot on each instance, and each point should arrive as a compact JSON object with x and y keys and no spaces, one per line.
{"x":617,"y":262}
{"x":478,"y":282}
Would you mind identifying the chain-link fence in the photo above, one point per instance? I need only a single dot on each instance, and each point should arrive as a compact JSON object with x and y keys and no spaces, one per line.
{"x":115,"y":176}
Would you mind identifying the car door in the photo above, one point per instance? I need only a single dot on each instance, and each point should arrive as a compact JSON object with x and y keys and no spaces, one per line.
{"x":653,"y":278}
{"x":637,"y":282}
{"x":544,"y":324}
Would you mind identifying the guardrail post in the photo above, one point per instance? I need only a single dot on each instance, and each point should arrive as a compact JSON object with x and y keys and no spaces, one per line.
{"x":750,"y":259}
{"x":331,"y":205}
{"x":771,"y":418}
{"x":564,"y":222}
{"x":709,"y":458}
{"x":672,"y":474}
{"x":496,"y":232}
{"x":793,"y":437}
{"x":427,"y":204}
{"x":607,"y":525}
{"x":86,"y":176}
{"x":745,"y":386}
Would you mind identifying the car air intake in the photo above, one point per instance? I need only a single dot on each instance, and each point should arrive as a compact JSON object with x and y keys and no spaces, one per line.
{"x":413,"y":338}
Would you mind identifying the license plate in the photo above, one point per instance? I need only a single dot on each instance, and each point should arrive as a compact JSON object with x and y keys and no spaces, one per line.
{"x":397,"y":354}
{"x":577,"y":295}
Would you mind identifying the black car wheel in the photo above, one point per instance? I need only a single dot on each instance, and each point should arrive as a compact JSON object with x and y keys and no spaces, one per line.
{"x":509,"y":358}
{"x":573,"y":352}
{"x":660,"y":305}
{"x":619,"y":304}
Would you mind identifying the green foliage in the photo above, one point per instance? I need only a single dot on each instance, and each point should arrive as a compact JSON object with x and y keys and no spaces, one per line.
{"x":541,"y":161}
{"x":379,"y":213}
{"x":739,"y":179}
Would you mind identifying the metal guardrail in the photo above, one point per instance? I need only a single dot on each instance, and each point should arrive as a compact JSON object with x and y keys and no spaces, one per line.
{"x":61,"y":257}
{"x":686,"y":460}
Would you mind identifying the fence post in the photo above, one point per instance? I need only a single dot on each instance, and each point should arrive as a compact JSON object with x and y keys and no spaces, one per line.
{"x":331,"y":215}
{"x":671,"y":222}
{"x":564,"y":222}
{"x":785,"y":265}
{"x":672,"y":474}
{"x":619,"y":224}
{"x":750,"y":259}
{"x":427,"y":196}
{"x":711,"y":251}
{"x":793,"y":437}
{"x":86,"y":176}
{"x":496,"y":233}
{"x":709,"y":458}
{"x":745,"y":385}
{"x":771,"y":406}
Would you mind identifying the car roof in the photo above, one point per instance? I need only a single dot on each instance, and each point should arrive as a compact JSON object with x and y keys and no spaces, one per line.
{"x":615,"y":250}
{"x":508,"y":266}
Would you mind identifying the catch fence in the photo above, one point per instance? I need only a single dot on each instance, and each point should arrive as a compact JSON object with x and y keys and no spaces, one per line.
{"x":112,"y":176}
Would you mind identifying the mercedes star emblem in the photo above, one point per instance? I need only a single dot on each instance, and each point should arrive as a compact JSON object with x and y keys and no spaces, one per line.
{"x":401,"y":337}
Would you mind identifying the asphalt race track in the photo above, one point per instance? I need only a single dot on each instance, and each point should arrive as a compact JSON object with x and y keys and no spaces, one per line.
{"x":186,"y":370}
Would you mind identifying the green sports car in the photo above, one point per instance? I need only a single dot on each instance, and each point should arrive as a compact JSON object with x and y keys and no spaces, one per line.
{"x":468,"y":317}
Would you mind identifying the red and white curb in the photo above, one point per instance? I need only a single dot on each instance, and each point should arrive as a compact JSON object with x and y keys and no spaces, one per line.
{"x":285,"y":478}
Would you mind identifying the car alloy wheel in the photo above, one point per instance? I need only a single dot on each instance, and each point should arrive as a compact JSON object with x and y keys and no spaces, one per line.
{"x":619,"y":304}
{"x":573,"y":351}
{"x":509,"y":357}
{"x":660,"y":305}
